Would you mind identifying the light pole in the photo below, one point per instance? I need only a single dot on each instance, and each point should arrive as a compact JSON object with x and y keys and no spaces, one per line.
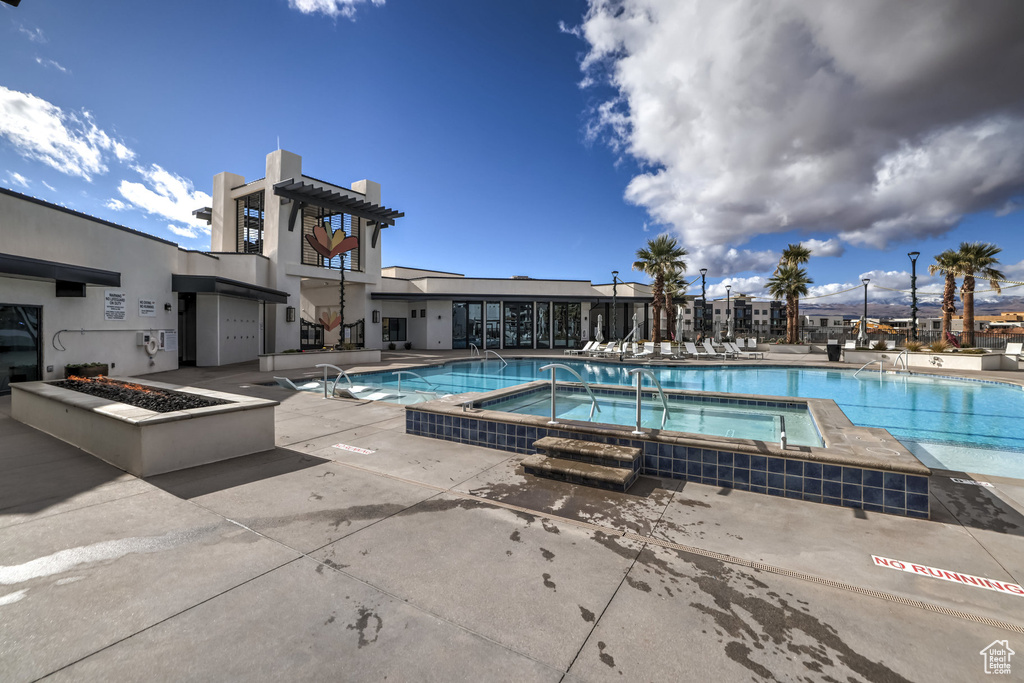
{"x":728,"y":311}
{"x":862,"y":336}
{"x":913,"y":293}
{"x":615,"y":314}
{"x":703,"y":298}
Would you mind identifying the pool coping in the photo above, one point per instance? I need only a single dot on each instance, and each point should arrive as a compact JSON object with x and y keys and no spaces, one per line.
{"x":845,"y":443}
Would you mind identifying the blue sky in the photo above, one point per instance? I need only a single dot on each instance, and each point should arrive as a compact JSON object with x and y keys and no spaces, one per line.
{"x":543,"y":138}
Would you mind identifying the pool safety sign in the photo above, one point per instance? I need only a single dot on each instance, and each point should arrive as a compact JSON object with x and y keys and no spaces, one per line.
{"x":114,"y":305}
{"x":946,"y":575}
{"x":147,"y":308}
{"x":354,"y":449}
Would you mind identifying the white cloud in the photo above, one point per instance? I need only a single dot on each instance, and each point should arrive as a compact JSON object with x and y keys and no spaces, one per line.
{"x":48,"y":186}
{"x":182,"y":232}
{"x":18,"y":179}
{"x":722,"y":260}
{"x":51,"y":63}
{"x":829,"y":247}
{"x":69,"y":142}
{"x":872,"y":121}
{"x":166,"y":194}
{"x":332,"y":8}
{"x":116,"y":205}
{"x":35,"y":35}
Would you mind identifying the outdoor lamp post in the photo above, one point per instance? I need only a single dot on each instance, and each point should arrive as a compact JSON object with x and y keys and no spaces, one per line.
{"x":703,"y":298}
{"x":728,"y":312}
{"x":863,"y":335}
{"x":615,"y":314}
{"x":913,"y":293}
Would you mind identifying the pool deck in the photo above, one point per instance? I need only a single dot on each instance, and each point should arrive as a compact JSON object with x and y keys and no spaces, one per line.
{"x":430,"y":560}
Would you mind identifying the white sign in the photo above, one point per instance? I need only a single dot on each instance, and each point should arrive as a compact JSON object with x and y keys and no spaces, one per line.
{"x":946,"y":575}
{"x":114,"y":307}
{"x":997,"y":657}
{"x":147,"y":308}
{"x":170,"y":340}
{"x":970,"y":481}
{"x":354,"y":449}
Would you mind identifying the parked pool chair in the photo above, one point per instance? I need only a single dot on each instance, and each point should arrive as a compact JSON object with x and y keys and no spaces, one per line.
{"x":740,"y":353}
{"x":305,"y":386}
{"x":645,"y":351}
{"x":1014,"y":350}
{"x":589,"y":346}
{"x":612,"y":349}
{"x":598,"y":349}
{"x":890,"y":345}
{"x":691,"y":350}
{"x":850,"y":345}
{"x":752,"y":343}
{"x":666,"y":350}
{"x":739,"y":343}
{"x":715,"y":354}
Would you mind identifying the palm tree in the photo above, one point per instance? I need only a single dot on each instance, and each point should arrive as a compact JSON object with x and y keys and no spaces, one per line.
{"x":946,"y":265}
{"x":675,"y":286}
{"x":789,"y":282}
{"x":662,"y":255}
{"x":976,"y":258}
{"x":794,"y":255}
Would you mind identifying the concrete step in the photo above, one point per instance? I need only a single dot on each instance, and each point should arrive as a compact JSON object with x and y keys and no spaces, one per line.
{"x":575,"y":472}
{"x":588,"y":451}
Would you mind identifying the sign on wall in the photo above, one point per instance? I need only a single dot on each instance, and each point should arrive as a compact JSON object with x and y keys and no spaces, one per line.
{"x":147,"y":308}
{"x":170,"y":340}
{"x":114,"y":305}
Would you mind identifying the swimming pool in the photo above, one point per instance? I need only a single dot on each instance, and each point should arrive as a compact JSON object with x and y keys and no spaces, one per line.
{"x":955,"y":424}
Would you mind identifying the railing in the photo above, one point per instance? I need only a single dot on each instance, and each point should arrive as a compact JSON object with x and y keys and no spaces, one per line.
{"x":905,"y":355}
{"x":474,"y":350}
{"x":782,"y":432}
{"x":639,"y":384}
{"x":593,"y":399}
{"x":497,"y":355}
{"x":399,"y":373}
{"x":877,"y":360}
{"x":341,"y":373}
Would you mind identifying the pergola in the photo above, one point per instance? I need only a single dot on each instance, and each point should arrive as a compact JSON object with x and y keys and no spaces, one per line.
{"x":302,"y":194}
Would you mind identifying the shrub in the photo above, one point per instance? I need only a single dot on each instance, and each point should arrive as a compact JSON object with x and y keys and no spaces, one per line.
{"x":879,"y":345}
{"x":408,"y":345}
{"x":913,"y":346}
{"x":940,"y":346}
{"x":391,"y":346}
{"x":973,"y":351}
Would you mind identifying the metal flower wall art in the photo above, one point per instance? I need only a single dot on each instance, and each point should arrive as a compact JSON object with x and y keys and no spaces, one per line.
{"x":330,"y":244}
{"x":330,"y":320}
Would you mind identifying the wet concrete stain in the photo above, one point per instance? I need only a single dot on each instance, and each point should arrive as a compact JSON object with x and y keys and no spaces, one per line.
{"x":515,"y":537}
{"x":976,"y":507}
{"x":605,"y":657}
{"x":330,"y":620}
{"x":763,"y":625}
{"x":363,"y":622}
{"x":610,"y":542}
{"x":548,"y":555}
{"x":548,"y":583}
{"x":638,"y":584}
{"x":587,"y":614}
{"x":315,"y":496}
{"x":685,"y":502}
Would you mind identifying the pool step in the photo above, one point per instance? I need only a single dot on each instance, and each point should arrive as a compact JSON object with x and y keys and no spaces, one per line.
{"x":584,"y":462}
{"x":575,"y":472}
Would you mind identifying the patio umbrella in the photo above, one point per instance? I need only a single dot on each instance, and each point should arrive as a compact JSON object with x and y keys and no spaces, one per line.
{"x":599,"y":335}
{"x":679,"y":323}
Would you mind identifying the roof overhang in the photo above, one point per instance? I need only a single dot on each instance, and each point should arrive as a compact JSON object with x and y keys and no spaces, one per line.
{"x":22,"y":266}
{"x":303,"y":194}
{"x":211,"y":284}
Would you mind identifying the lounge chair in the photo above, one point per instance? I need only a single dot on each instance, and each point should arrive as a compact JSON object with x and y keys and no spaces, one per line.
{"x":740,"y":353}
{"x":666,"y":350}
{"x":691,"y":350}
{"x":597,"y":349}
{"x":712,"y":352}
{"x":612,"y":349}
{"x":305,"y":386}
{"x":647,"y":350}
{"x":850,"y":345}
{"x":586,"y":348}
{"x":1014,"y":350}
{"x":890,"y":345}
{"x":752,"y":343}
{"x":738,"y":343}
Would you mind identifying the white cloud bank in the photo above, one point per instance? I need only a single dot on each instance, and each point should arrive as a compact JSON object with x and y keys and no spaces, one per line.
{"x":165,"y":194}
{"x":331,"y":8}
{"x":873,"y":121}
{"x":68,"y":142}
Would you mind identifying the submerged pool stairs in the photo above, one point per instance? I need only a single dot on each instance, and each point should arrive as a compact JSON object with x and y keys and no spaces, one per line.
{"x":584,"y":462}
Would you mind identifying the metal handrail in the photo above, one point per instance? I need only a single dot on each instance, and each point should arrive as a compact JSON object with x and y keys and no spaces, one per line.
{"x":905,"y":355}
{"x":593,"y":399}
{"x":877,"y":360}
{"x":661,"y":393}
{"x":341,"y":373}
{"x":497,"y":355}
{"x":782,"y":432}
{"x":474,"y":350}
{"x":410,"y":372}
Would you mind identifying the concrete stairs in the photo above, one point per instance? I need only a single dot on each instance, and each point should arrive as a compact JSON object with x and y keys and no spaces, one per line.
{"x":583,"y":462}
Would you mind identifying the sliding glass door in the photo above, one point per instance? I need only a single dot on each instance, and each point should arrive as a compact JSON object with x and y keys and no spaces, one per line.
{"x":519,"y":326}
{"x":19,"y":345}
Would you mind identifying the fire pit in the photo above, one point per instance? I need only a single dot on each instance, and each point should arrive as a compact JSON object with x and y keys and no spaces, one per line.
{"x":146,"y":428}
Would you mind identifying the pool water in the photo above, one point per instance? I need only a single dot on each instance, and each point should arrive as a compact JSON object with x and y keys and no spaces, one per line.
{"x":977,"y":422}
{"x":741,"y":422}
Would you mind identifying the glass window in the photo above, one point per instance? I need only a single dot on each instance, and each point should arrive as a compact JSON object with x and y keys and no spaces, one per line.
{"x":543,"y":325}
{"x":393,"y":329}
{"x":493,"y":323}
{"x":19,"y":345}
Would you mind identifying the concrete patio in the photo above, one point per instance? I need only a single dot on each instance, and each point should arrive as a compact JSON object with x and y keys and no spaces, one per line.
{"x":429,"y":560}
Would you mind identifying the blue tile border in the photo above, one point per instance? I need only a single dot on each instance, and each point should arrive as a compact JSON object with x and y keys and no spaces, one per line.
{"x":893,"y":493}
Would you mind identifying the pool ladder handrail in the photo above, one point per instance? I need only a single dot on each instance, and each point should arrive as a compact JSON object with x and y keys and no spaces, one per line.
{"x":901,"y":356}
{"x":341,"y":373}
{"x":414,"y":374}
{"x":880,"y":361}
{"x":497,"y":355}
{"x":474,"y":351}
{"x":639,"y":384}
{"x":782,"y":432}
{"x":905,"y":355}
{"x":554,"y":384}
